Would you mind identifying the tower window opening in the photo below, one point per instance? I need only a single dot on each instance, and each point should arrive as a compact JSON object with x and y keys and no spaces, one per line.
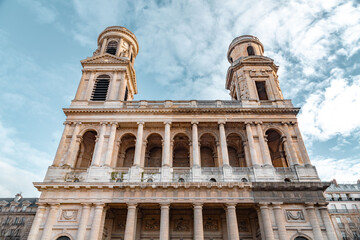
{"x":131,"y":58}
{"x":126,"y":94}
{"x":250,"y":51}
{"x":101,"y":88}
{"x":111,"y":47}
{"x":260,"y":87}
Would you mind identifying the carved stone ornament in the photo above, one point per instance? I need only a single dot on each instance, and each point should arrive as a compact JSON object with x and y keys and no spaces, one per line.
{"x":181,"y":225}
{"x":243,"y":225}
{"x":120,"y":224}
{"x":211,"y":224}
{"x":294,"y":215}
{"x":151,"y":224}
{"x":69,"y":215}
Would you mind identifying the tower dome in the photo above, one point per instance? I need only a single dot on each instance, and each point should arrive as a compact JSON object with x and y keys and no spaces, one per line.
{"x":243,"y":46}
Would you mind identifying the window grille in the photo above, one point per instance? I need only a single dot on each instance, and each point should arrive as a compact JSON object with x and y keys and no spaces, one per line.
{"x":111,"y":47}
{"x":100,"y":88}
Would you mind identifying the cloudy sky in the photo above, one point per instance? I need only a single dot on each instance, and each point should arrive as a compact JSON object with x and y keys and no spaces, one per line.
{"x":183,"y":46}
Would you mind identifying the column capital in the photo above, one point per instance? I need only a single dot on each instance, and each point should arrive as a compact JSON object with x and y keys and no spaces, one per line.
{"x":264,"y":204}
{"x":167,"y":122}
{"x":258,"y":123}
{"x":131,"y":205}
{"x":277,"y":204}
{"x":309,"y":205}
{"x":165,"y":205}
{"x":140,"y":123}
{"x":113,"y":123}
{"x":285,"y":123}
{"x":198,"y":205}
{"x":67,"y":123}
{"x":77,"y":123}
{"x":41,"y":205}
{"x":230,"y":205}
{"x":248,"y":123}
{"x":86,"y":205}
{"x":221,"y":122}
{"x":194,"y":122}
{"x":54,"y":205}
{"x":99,"y":205}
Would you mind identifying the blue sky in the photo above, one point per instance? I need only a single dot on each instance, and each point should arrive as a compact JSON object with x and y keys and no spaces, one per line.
{"x":183,"y":46}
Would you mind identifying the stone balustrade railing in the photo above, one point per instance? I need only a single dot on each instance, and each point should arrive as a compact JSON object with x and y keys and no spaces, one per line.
{"x":181,"y":104}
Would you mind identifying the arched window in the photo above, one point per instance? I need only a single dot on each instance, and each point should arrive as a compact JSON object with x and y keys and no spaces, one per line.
{"x":86,"y":150}
{"x":181,"y":156}
{"x":250,"y":51}
{"x":153,"y":156}
{"x":236,"y":151}
{"x":276,"y":148}
{"x":101,"y":88}
{"x":111,"y":47}
{"x":63,"y":238}
{"x":126,"y":151}
{"x":208,"y":150}
{"x":300,"y":238}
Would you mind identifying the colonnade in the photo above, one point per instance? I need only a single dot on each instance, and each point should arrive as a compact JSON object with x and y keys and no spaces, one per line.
{"x":257,"y":158}
{"x":48,"y":214}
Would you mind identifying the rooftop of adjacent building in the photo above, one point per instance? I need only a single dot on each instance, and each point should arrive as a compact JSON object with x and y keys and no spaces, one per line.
{"x":18,"y":201}
{"x":343,"y":187}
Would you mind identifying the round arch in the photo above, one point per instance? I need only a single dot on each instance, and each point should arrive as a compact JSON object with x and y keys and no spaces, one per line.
{"x":211,"y":133}
{"x":300,"y":236}
{"x":146,"y":136}
{"x":64,"y":236}
{"x":241,"y":135}
{"x":180,"y":132}
{"x":88,"y":129}
{"x":275,"y":128}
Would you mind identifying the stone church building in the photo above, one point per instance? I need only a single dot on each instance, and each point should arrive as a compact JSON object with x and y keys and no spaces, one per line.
{"x":180,"y":170}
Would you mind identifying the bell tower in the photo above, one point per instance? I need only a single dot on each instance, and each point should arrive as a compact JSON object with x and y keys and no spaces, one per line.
{"x":252,"y":77}
{"x":109,"y":75}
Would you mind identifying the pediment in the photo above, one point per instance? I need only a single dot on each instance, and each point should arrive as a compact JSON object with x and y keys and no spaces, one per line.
{"x":104,"y":59}
{"x":3,"y":203}
{"x":26,"y":203}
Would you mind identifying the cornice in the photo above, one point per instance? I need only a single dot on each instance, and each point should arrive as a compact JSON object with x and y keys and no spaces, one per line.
{"x":294,"y":111}
{"x":119,"y":60}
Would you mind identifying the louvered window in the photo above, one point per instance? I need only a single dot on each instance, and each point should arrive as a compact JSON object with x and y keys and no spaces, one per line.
{"x":111,"y":47}
{"x":101,"y":88}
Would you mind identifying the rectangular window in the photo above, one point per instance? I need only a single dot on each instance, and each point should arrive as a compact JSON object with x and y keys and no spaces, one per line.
{"x":261,"y":89}
{"x":338,"y":220}
{"x":349,"y":220}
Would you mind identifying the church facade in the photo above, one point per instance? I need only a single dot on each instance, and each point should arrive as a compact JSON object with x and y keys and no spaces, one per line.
{"x":180,"y":170}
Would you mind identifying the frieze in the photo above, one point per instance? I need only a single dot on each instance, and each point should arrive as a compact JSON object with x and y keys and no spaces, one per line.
{"x":243,"y":225}
{"x":120,"y":224}
{"x":181,"y":225}
{"x":211,"y":224}
{"x":151,"y":224}
{"x":294,"y":215}
{"x":68,"y":215}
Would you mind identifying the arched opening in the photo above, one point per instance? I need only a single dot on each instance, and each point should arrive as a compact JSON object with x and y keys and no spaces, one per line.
{"x":208,"y":150}
{"x":86,"y":150}
{"x":153,"y":155}
{"x":126,"y":151}
{"x":111,"y":47}
{"x":276,"y":148}
{"x":236,"y":150}
{"x":100,"y":88}
{"x":63,"y":238}
{"x":181,"y":153}
{"x":250,"y":51}
{"x":301,"y":238}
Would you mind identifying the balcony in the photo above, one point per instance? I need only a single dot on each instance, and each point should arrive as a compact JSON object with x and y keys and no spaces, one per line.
{"x":183,"y":174}
{"x":191,"y":104}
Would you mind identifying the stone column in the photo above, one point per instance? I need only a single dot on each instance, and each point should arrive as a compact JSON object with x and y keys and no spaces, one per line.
{"x":118,"y":50}
{"x":34,"y":231}
{"x":223,"y":144}
{"x":166,"y":152}
{"x":138,"y":145}
{"x":112,"y":87}
{"x":263,"y":146}
{"x":110,"y":147}
{"x":198,"y":222}
{"x":81,"y":232}
{"x":60,"y":150}
{"x":73,"y":146}
{"x":195,"y":146}
{"x":80,"y":87}
{"x":314,"y":221}
{"x":265,"y":215}
{"x":280,"y":221}
{"x":251,"y":144}
{"x":95,"y":226}
{"x":103,"y":46}
{"x":164,"y":223}
{"x":292,"y":153}
{"x":302,"y":147}
{"x":330,"y":232}
{"x":232,"y":222}
{"x":99,"y":146}
{"x":122,"y":88}
{"x":50,"y":222}
{"x":287,"y":150}
{"x":130,"y":222}
{"x":90,"y":87}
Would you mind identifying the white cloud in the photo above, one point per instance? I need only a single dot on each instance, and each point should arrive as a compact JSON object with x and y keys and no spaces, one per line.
{"x":333,"y":110}
{"x":44,"y":13}
{"x":20,"y":163}
{"x":343,"y":170}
